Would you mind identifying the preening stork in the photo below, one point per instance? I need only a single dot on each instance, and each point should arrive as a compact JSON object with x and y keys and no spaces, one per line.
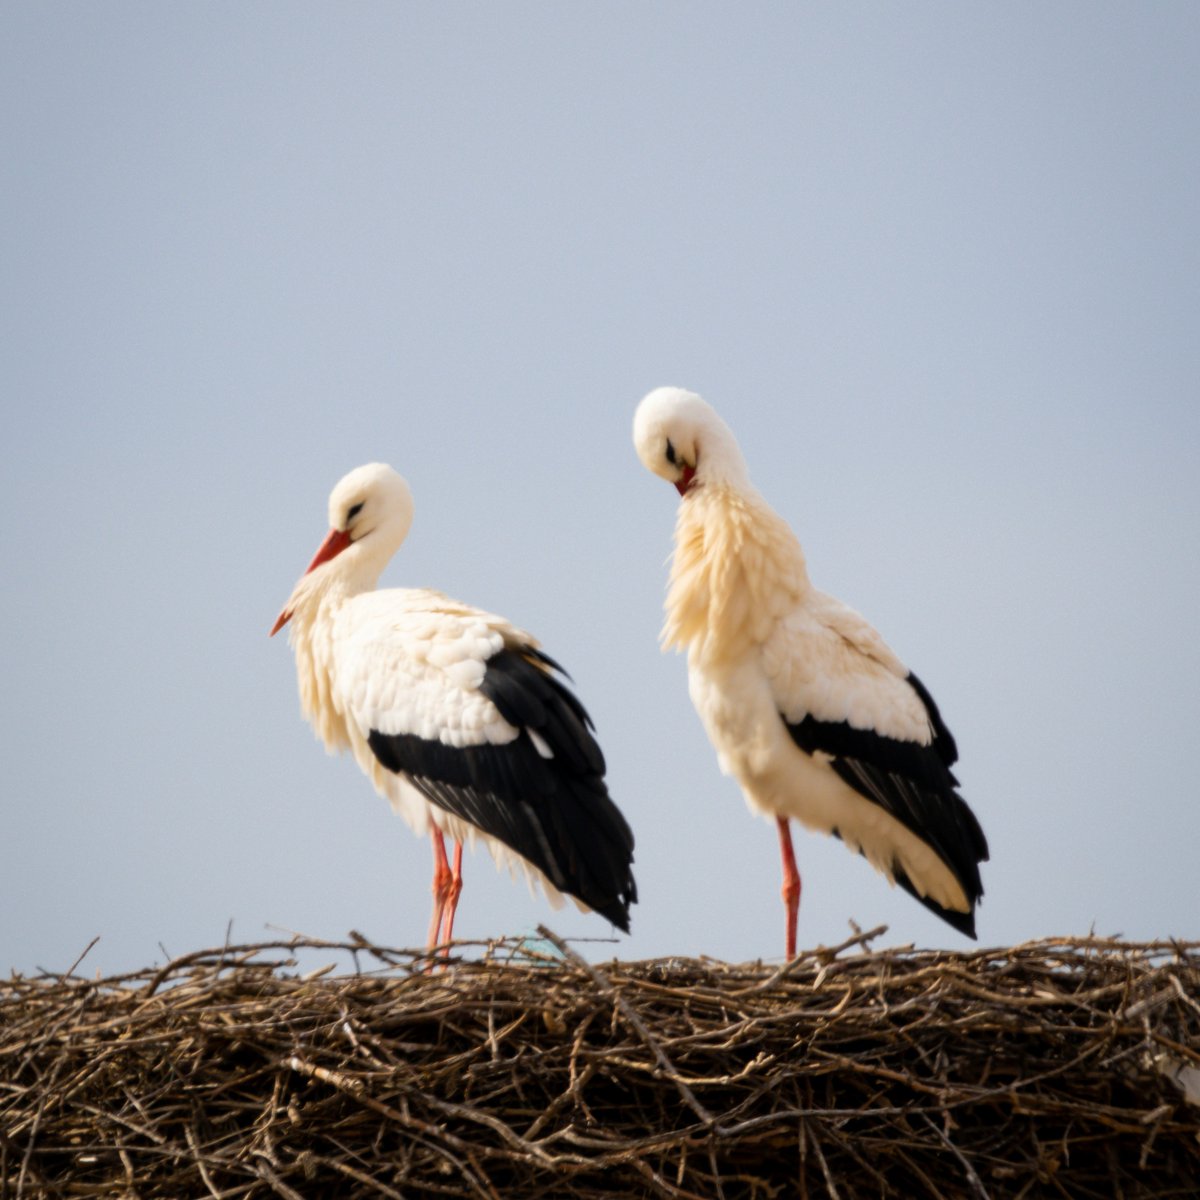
{"x":807,"y":707}
{"x":457,"y":717}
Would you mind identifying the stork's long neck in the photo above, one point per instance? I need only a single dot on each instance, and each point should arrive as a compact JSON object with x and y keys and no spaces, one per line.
{"x":737,"y":569}
{"x":314,"y":603}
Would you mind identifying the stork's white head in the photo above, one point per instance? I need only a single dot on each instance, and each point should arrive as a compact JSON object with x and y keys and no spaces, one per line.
{"x":679,"y":437}
{"x":372,"y":502}
{"x":370,"y":514}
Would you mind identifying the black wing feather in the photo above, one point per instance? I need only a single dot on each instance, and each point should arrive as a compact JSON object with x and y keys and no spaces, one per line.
{"x":914,"y":784}
{"x":943,"y":739}
{"x":554,"y":812}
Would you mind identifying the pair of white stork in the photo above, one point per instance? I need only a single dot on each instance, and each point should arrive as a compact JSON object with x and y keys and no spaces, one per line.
{"x":464,"y":724}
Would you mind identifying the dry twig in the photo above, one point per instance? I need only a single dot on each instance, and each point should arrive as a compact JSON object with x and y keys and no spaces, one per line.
{"x":235,"y":1073}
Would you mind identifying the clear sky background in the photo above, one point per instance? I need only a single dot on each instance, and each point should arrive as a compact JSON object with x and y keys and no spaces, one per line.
{"x":936,"y":264}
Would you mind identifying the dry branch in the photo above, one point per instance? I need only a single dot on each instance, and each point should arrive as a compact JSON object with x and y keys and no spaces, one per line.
{"x":1056,"y":1068}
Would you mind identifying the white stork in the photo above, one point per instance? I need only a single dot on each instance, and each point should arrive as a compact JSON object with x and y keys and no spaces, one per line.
{"x":807,"y":707}
{"x":457,"y":717}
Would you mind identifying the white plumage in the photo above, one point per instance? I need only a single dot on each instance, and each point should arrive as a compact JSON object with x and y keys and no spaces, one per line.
{"x":456,"y":716}
{"x":807,"y":707}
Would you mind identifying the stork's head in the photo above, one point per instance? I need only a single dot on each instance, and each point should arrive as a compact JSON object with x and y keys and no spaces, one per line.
{"x":370,"y":513}
{"x":680,"y":438}
{"x":372,"y":502}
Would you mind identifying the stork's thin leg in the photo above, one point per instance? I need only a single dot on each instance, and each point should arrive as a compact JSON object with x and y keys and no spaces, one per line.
{"x":452,"y":895}
{"x":440,"y":888}
{"x":791,"y":883}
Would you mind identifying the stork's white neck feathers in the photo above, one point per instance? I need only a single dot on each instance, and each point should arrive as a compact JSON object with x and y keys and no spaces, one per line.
{"x":372,"y":509}
{"x":737,"y":569}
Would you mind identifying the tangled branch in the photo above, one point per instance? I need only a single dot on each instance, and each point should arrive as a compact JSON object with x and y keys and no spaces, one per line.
{"x":1067,"y":1067}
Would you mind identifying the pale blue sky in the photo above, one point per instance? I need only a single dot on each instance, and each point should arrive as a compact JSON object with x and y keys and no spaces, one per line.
{"x":936,"y":264}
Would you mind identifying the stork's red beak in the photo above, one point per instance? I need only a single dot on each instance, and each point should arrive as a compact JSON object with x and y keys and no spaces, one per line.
{"x":684,"y":482}
{"x":335,"y":542}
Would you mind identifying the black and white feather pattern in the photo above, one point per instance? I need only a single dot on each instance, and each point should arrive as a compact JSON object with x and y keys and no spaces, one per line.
{"x":914,"y":783}
{"x":541,"y":794}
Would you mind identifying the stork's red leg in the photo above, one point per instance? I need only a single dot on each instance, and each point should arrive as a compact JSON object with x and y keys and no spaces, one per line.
{"x":440,"y":888}
{"x":452,"y":895}
{"x":791,"y":883}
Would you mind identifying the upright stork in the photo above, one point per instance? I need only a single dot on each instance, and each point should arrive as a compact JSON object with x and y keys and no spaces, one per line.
{"x":457,"y":717}
{"x":807,"y":707}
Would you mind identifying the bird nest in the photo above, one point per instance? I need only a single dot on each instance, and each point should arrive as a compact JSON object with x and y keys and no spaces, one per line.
{"x":1057,"y":1068}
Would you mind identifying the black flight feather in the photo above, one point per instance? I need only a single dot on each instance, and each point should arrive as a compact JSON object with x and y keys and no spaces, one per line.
{"x":914,"y":784}
{"x":554,"y":812}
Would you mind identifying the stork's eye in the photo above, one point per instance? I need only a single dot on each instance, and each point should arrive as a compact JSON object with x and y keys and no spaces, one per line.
{"x":671,"y":454}
{"x":354,"y":511}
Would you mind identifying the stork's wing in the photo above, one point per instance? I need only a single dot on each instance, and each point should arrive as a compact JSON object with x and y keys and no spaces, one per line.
{"x":845,"y":696}
{"x":475,"y":717}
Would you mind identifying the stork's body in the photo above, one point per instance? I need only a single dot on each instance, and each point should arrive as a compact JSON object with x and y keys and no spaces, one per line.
{"x":456,"y":716}
{"x":807,"y":707}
